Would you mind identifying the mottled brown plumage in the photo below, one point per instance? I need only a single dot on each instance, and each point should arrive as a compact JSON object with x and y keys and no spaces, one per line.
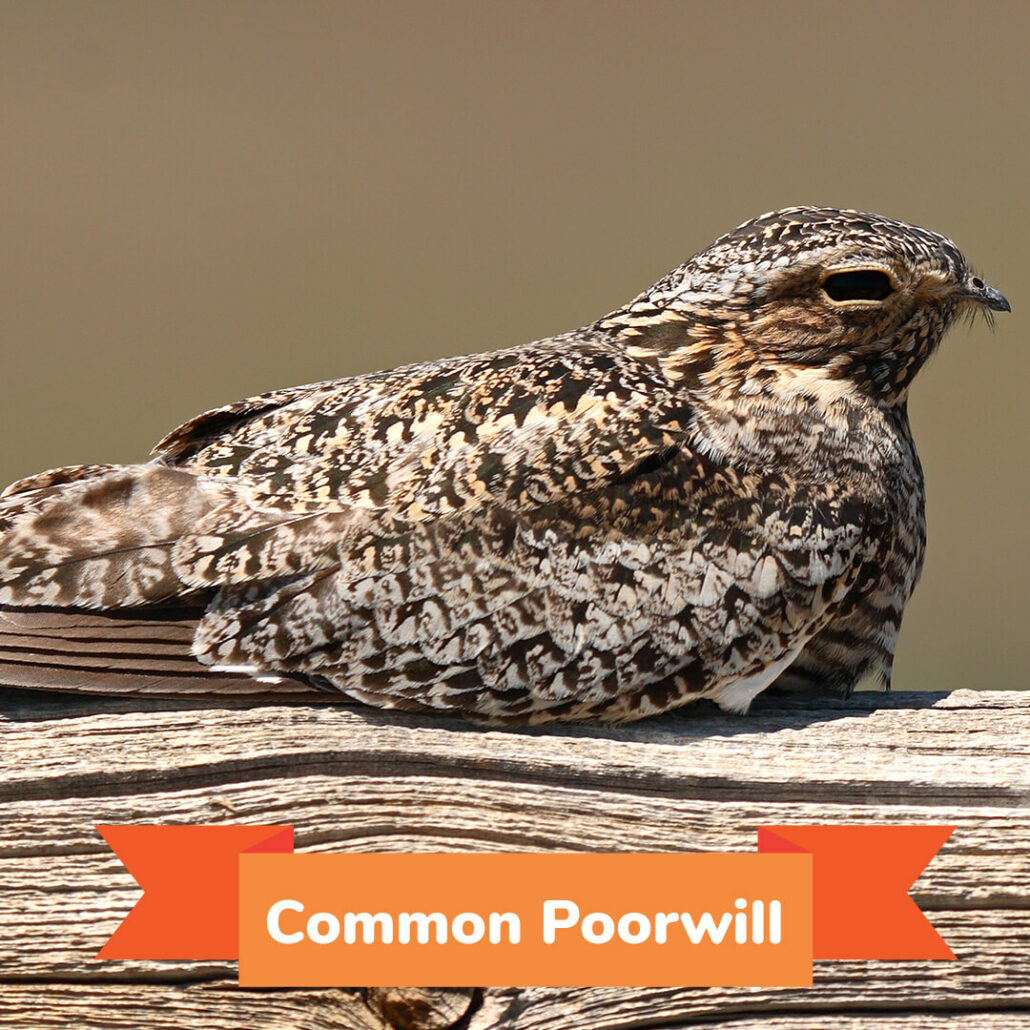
{"x":709,"y":490}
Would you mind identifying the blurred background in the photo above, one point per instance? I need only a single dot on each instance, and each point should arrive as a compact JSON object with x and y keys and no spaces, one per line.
{"x":201,"y":201}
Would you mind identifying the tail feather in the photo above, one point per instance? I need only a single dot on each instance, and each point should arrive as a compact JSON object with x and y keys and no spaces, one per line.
{"x":145,"y":652}
{"x":94,"y":596}
{"x":56,"y":477}
{"x":100,"y":540}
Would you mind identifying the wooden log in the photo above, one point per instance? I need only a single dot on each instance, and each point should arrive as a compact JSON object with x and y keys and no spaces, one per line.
{"x":361,"y":780}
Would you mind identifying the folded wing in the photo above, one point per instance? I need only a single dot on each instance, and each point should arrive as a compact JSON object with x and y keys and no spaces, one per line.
{"x":520,"y":534}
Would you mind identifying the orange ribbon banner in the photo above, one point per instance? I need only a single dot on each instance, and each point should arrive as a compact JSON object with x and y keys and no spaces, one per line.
{"x":860,"y":881}
{"x":189,"y":875}
{"x":626,"y":919}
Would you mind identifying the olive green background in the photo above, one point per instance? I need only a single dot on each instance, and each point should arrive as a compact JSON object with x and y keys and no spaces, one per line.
{"x":200,"y":201}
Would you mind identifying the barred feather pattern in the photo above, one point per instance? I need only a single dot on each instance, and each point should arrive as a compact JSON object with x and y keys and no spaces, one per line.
{"x":709,"y":490}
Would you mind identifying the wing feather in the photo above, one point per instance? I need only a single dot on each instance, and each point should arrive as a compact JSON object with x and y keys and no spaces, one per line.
{"x":525,"y":534}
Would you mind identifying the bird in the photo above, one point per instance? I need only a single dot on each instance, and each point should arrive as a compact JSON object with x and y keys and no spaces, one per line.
{"x":711,"y":490}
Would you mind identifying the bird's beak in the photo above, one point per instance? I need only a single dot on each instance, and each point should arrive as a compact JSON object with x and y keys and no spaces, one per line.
{"x":976,"y":289}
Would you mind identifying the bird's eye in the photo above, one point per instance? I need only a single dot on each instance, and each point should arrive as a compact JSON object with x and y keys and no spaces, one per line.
{"x":862,"y":284}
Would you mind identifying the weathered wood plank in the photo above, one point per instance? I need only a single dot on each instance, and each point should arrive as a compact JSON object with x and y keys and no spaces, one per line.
{"x":158,"y":1007}
{"x":355,"y":779}
{"x":986,"y":976}
{"x":942,"y":754}
{"x":984,"y":864}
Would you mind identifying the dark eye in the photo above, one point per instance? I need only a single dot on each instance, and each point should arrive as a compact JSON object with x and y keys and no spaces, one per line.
{"x":864,"y":284}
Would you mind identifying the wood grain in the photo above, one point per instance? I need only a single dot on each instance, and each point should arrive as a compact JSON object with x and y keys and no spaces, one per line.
{"x":356,"y":779}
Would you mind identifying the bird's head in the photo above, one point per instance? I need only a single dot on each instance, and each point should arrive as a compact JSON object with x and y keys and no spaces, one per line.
{"x":839,"y":295}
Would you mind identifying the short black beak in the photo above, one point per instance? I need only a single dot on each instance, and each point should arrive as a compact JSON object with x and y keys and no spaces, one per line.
{"x":977,"y":289}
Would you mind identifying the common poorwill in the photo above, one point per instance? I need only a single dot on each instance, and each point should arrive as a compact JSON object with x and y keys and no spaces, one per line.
{"x":709,"y":490}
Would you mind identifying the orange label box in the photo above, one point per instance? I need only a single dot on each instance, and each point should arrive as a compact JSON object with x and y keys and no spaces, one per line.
{"x":543,"y":919}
